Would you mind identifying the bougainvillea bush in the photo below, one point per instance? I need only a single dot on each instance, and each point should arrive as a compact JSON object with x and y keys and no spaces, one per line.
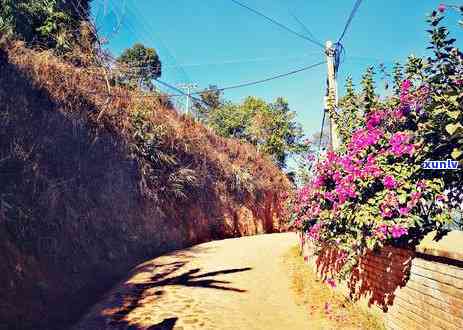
{"x":373,"y":190}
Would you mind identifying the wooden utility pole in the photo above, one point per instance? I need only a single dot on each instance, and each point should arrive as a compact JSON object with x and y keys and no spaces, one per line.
{"x":332,"y":102}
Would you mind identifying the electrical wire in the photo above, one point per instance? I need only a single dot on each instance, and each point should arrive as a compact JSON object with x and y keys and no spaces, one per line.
{"x":306,"y":29}
{"x":148,"y":33}
{"x":182,"y":93}
{"x":284,"y":27}
{"x":349,"y":20}
{"x":251,"y":83}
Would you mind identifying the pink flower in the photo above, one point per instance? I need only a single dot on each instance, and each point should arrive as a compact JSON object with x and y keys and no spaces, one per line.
{"x":404,"y":210}
{"x":398,"y":231}
{"x":406,"y":84}
{"x":386,"y":212}
{"x":304,"y":194}
{"x":363,"y":138}
{"x":389,"y":182}
{"x":441,"y":198}
{"x":422,"y":184}
{"x":327,"y":308}
{"x":330,"y":196}
{"x":415,"y":198}
{"x":374,"y":119}
{"x":441,"y":8}
{"x":337,"y":177}
{"x":315,"y":210}
{"x":311,"y":157}
{"x":399,"y":144}
{"x":398,"y":114}
{"x":332,"y":157}
{"x":318,"y":182}
{"x":381,"y":232}
{"x":331,"y":282}
{"x":314,"y":232}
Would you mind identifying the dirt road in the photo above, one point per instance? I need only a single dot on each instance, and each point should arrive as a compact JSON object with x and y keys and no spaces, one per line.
{"x":231,"y":284}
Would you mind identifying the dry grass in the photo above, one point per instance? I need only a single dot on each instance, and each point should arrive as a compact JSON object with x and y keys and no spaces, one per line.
{"x":74,"y":193}
{"x":327,"y":309}
{"x":195,"y":146}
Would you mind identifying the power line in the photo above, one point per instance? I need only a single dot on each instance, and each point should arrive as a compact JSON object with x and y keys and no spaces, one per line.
{"x":284,"y":27}
{"x":178,"y":90}
{"x":259,"y":81}
{"x":148,"y":32}
{"x":306,"y":29}
{"x":349,"y":20}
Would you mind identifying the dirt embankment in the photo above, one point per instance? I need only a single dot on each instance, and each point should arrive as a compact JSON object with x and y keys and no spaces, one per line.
{"x":79,"y":208}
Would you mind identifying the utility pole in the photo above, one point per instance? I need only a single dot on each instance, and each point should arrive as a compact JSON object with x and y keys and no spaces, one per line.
{"x":188,"y":88}
{"x":332,"y":93}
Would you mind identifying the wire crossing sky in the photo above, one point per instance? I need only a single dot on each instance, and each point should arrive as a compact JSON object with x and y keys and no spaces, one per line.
{"x":218,"y":42}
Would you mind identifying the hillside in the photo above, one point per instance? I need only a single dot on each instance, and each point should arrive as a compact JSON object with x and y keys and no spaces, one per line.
{"x":94,"y":180}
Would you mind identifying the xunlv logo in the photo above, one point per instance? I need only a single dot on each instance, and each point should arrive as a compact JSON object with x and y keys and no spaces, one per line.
{"x":440,"y":165}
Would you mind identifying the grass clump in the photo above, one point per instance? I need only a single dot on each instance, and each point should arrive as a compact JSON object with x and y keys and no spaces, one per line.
{"x":327,"y":308}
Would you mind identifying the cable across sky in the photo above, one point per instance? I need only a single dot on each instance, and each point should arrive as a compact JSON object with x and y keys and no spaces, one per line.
{"x":251,"y":83}
{"x":284,"y":27}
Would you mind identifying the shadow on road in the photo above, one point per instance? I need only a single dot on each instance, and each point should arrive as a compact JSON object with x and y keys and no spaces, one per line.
{"x":131,"y":295}
{"x":167,"y":324}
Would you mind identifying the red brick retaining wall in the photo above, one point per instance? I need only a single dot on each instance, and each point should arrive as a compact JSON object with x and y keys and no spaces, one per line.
{"x":409,"y":289}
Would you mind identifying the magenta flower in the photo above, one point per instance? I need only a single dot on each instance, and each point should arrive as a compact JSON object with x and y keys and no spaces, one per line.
{"x":389,"y":182}
{"x":318,"y":182}
{"x":406,"y":84}
{"x":330,"y":196}
{"x":386,"y":213}
{"x":332,"y":157}
{"x":363,"y":138}
{"x":416,"y":196}
{"x":441,"y":8}
{"x":315,"y":210}
{"x":314,"y":232}
{"x":422,"y":184}
{"x":327,"y":308}
{"x":398,"y":231}
{"x":399,"y":144}
{"x":374,"y":119}
{"x":404,"y":210}
{"x":311,"y":157}
{"x":441,"y":198}
{"x":381,"y":232}
{"x":304,"y":194}
{"x":331,"y":282}
{"x":337,"y":177}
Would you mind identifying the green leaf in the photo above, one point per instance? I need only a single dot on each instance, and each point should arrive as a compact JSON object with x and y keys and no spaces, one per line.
{"x":453,"y":128}
{"x":454,"y":114}
{"x":456,"y":153}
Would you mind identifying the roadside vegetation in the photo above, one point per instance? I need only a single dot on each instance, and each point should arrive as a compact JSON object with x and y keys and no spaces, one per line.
{"x":327,"y":308}
{"x":374,"y":191}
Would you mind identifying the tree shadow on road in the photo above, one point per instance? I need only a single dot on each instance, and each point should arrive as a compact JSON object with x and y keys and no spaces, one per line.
{"x":167,"y":324}
{"x":132,"y":295}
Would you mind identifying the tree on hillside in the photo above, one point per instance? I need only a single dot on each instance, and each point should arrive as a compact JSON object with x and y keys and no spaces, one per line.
{"x":211,"y":99}
{"x":351,"y":116}
{"x":139,"y":66}
{"x":52,"y":24}
{"x":275,"y":132}
{"x":368,"y":89}
{"x":271,"y":127}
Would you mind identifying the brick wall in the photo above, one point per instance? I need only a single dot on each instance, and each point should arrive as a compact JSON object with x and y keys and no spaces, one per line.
{"x":409,"y":289}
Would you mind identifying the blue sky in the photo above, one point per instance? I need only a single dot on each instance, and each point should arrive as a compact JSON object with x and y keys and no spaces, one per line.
{"x":218,"y":42}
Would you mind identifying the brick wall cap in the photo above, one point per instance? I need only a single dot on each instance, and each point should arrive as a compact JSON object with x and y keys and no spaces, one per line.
{"x":449,"y":246}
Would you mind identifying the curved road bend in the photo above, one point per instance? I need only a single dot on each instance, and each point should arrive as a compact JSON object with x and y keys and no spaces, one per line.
{"x":234,"y":284}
